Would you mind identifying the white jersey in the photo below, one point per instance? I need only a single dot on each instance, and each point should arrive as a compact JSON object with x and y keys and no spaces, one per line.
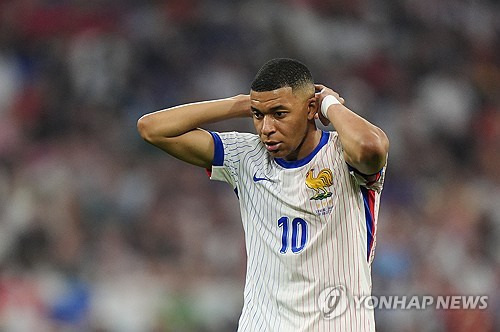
{"x":310,"y":235}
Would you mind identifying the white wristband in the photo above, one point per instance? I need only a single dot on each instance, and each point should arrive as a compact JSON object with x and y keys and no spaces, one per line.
{"x":327,"y":102}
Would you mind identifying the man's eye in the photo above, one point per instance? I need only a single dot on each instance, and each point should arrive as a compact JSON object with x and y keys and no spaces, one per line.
{"x":258,"y":115}
{"x":279,"y":114}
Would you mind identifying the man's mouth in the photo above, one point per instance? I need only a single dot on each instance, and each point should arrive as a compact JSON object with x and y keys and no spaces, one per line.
{"x":272,"y":146}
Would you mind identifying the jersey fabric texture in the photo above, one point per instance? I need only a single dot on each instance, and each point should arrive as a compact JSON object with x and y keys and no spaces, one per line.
{"x":309,"y":226}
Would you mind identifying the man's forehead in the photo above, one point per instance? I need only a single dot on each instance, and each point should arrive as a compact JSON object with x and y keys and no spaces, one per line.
{"x":264,"y":96}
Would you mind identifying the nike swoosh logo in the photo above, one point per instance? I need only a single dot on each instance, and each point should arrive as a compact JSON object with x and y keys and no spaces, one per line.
{"x":256,"y":179}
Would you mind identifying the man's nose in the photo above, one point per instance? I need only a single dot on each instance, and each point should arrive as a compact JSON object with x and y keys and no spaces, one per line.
{"x":268,"y":125}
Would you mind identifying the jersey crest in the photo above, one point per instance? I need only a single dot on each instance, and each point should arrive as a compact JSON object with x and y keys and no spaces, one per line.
{"x":319,"y":183}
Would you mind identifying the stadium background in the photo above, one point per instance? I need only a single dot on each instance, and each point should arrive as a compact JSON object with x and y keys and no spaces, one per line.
{"x":101,"y":232}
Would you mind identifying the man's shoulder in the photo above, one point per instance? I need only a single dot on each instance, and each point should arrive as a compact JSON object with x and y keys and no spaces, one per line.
{"x":239,"y":144}
{"x":238,"y":134}
{"x":240,"y":138}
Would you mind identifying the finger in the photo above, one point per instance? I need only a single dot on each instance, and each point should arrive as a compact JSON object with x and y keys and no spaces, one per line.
{"x":317,"y":93}
{"x":319,"y":88}
{"x":324,"y":121}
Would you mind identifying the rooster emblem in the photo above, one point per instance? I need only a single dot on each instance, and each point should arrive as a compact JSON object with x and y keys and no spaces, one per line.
{"x":320,"y":183}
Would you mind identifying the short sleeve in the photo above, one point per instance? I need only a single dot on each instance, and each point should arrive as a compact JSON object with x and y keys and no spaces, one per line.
{"x":229,"y":147}
{"x":372,"y":181}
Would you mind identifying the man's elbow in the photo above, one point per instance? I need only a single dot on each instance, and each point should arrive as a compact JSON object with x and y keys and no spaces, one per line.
{"x":145,"y":128}
{"x":373,"y":153}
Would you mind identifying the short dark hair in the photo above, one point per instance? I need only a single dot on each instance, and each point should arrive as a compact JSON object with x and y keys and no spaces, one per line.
{"x":281,"y":72}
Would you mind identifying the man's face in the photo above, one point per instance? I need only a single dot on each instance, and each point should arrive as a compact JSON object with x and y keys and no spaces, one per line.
{"x":282,"y":119}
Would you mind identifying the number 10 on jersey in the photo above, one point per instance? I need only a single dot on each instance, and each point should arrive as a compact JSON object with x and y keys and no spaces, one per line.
{"x":298,"y":231}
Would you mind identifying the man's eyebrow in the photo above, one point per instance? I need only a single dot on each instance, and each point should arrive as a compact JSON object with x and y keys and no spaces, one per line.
{"x":272,"y":110}
{"x":277,"y":108}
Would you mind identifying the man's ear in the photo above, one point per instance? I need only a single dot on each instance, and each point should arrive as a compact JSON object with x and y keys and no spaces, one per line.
{"x":312,"y":107}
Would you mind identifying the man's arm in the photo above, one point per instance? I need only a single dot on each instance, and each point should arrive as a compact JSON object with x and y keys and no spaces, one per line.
{"x":175,"y":130}
{"x":365,"y":145}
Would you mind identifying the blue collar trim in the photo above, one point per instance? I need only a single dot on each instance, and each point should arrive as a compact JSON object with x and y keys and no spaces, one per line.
{"x":301,"y":162}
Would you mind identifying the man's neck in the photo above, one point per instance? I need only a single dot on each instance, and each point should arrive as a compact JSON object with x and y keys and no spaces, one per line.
{"x":308,"y":144}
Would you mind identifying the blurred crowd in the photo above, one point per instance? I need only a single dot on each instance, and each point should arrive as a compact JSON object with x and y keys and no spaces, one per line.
{"x":101,"y":232}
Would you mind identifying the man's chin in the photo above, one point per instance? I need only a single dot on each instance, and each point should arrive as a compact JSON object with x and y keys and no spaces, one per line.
{"x":278,"y":154}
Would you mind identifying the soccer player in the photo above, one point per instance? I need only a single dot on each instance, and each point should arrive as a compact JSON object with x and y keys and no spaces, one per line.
{"x":308,"y":198}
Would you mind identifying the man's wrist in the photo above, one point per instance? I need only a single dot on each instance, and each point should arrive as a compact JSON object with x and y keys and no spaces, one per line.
{"x":242,"y":105}
{"x":326,"y":103}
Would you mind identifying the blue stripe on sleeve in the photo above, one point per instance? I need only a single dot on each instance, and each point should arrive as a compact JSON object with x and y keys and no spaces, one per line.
{"x":369,"y":221}
{"x":218,"y":150}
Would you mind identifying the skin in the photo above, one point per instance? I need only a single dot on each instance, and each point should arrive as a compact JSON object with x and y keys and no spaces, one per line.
{"x":284,"y":120}
{"x":176,"y":130}
{"x":365,"y":145}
